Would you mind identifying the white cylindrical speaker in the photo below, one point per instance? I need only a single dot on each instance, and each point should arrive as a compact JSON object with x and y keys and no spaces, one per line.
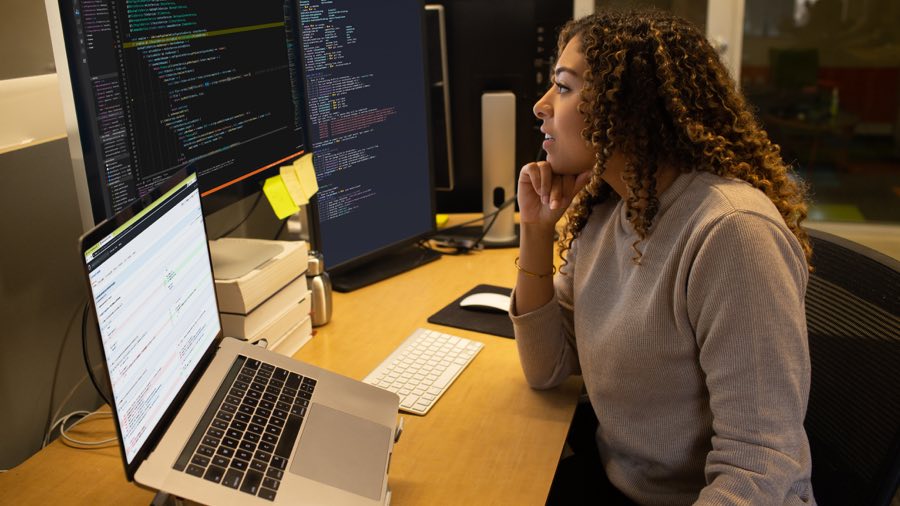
{"x":498,"y":166}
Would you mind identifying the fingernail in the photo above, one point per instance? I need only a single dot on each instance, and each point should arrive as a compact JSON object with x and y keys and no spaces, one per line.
{"x":554,"y":204}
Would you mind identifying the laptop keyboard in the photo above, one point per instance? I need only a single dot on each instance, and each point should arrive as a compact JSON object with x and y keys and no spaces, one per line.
{"x":247,"y":434}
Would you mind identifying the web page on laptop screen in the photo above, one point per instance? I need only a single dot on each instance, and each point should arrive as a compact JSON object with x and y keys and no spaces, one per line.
{"x":153,"y":289}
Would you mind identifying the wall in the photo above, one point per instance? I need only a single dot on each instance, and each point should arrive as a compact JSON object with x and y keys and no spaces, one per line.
{"x":24,"y":40}
{"x":41,"y":292}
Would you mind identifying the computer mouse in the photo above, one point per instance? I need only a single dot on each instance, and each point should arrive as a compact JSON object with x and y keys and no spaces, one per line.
{"x":486,"y":302}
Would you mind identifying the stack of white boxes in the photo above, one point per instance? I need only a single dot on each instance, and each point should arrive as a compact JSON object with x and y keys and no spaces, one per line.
{"x":262,"y":291}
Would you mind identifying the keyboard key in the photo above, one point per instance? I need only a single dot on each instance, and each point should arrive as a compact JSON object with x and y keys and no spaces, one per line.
{"x":293,"y":380}
{"x":232,"y":478}
{"x":266,"y":493}
{"x":271,"y":483}
{"x":274,"y":472}
{"x":200,"y":460}
{"x":252,"y":364}
{"x":195,"y":470}
{"x":244,"y":455}
{"x":214,"y":473}
{"x":205,"y":450}
{"x":251,"y":482}
{"x":286,"y":443}
{"x":220,"y":461}
{"x":279,"y":462}
{"x":258,"y":466}
{"x":239,"y":464}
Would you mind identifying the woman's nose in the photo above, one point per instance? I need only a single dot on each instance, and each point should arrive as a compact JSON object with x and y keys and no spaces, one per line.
{"x":541,"y":109}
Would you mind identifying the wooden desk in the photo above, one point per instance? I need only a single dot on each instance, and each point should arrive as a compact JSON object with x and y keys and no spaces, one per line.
{"x":489,"y":440}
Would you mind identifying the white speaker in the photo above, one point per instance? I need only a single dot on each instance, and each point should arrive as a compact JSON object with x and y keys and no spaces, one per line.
{"x":498,"y":162}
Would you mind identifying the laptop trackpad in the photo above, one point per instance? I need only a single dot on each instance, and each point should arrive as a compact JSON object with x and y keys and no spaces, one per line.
{"x":343,"y":451}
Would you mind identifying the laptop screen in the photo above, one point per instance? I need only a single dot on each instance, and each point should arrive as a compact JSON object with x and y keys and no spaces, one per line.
{"x":154,"y":294}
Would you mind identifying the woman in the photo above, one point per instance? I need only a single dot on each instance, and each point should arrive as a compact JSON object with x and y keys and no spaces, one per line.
{"x":680,"y":296}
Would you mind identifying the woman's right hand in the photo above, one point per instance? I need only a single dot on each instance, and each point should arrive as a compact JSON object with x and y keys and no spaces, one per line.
{"x":544,"y":195}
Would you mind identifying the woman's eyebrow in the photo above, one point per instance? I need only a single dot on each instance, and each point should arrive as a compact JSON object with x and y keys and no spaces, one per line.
{"x":560,"y":70}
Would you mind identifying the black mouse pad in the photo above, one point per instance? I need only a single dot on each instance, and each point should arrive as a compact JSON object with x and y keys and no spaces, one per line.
{"x":497,"y":324}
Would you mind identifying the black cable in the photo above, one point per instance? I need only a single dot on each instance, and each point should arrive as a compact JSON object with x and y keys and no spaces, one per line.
{"x":465,"y":245}
{"x":480,"y":218}
{"x":491,"y":224}
{"x":281,"y":228}
{"x":84,"y":350}
{"x":59,"y":356}
{"x":255,"y":204}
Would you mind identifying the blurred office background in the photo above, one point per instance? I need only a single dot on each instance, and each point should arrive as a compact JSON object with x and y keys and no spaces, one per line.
{"x":824,"y":76}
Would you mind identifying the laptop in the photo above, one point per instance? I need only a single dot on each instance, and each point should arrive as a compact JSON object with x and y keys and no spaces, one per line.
{"x":213,"y":419}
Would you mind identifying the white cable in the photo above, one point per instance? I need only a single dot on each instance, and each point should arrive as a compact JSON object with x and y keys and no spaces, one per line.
{"x":62,"y":405}
{"x":59,"y":410}
{"x":84,"y":415}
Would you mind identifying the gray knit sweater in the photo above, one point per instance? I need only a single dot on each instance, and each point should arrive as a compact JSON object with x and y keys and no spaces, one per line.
{"x":696,"y":360}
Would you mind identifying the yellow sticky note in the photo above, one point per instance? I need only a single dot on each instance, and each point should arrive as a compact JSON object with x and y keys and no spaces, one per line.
{"x":279,"y":198}
{"x":306,"y":173}
{"x":289,"y":176}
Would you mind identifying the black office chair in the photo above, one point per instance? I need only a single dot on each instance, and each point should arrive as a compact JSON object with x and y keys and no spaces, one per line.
{"x":853,"y":420}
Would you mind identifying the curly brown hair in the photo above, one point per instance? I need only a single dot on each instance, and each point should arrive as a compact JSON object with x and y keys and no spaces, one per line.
{"x":656,"y":91}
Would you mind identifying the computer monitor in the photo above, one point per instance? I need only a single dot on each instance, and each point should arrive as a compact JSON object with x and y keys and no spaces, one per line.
{"x":497,"y":45}
{"x":364,"y":66}
{"x":152,"y":87}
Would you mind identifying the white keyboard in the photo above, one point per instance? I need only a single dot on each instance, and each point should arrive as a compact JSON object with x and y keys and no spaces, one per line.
{"x":422,"y":368}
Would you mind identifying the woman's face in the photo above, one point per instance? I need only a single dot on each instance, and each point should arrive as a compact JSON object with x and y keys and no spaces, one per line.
{"x":567,"y":151}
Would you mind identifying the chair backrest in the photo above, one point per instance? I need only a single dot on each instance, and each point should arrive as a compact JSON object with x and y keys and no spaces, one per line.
{"x":853,"y":419}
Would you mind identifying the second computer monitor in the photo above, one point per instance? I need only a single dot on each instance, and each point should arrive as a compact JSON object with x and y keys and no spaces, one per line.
{"x":364,"y":67}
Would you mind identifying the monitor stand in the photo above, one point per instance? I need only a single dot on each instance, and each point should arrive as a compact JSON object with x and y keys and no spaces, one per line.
{"x":383,"y":267}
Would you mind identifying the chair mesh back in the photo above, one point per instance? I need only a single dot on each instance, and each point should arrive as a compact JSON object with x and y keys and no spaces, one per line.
{"x":853,"y":419}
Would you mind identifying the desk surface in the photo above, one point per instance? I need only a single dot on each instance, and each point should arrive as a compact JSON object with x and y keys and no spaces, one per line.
{"x":489,"y":440}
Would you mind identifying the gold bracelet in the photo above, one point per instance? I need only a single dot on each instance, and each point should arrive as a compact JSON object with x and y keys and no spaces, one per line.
{"x":533,"y":274}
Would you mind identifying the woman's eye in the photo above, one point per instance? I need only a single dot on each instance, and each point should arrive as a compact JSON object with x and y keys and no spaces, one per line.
{"x":561,"y":88}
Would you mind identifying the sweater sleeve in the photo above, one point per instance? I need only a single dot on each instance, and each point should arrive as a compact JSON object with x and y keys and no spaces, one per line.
{"x":745,"y":298}
{"x":545,"y":337}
